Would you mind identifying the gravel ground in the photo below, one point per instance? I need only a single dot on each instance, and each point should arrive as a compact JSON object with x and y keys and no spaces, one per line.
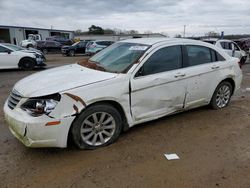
{"x":213,"y":147}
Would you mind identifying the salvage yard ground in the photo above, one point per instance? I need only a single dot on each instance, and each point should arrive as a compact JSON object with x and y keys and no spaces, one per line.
{"x":213,"y":146}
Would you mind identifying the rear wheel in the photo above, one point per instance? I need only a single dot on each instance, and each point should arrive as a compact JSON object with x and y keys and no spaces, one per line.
{"x":27,"y":64}
{"x":222,"y":95}
{"x":97,"y":126}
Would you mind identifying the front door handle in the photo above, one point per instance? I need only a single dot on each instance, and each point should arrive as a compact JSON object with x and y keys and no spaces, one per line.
{"x":180,"y":75}
{"x":215,"y":67}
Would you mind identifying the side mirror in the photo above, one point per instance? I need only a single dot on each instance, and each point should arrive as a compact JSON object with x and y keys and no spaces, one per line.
{"x":140,"y":72}
{"x":8,"y":51}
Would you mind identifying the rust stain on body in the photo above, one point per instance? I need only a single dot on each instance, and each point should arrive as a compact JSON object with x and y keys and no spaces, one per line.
{"x":88,"y":64}
{"x":76,"y":98}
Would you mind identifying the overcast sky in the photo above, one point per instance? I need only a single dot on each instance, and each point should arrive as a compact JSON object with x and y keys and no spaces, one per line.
{"x":169,"y":16}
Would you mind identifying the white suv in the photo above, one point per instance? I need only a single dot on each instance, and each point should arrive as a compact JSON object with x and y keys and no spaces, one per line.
{"x":230,"y":47}
{"x":12,"y":56}
{"x":130,"y":82}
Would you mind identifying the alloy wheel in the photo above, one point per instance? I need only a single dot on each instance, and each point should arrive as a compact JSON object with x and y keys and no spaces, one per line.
{"x":98,"y":128}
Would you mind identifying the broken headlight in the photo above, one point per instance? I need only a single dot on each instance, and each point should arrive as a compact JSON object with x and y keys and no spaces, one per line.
{"x":37,"y":107}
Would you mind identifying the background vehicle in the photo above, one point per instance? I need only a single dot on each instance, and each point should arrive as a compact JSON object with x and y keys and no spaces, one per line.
{"x":31,"y":41}
{"x":244,"y":44}
{"x":49,"y":46}
{"x":98,"y":45}
{"x":230,"y":47}
{"x":76,"y":48}
{"x":130,"y":82}
{"x":61,"y":40}
{"x":12,"y":56}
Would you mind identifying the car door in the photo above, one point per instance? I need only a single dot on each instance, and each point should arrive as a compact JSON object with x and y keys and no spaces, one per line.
{"x":236,"y":51}
{"x":202,"y":68}
{"x":8,"y":58}
{"x":159,"y":86}
{"x":81,"y":47}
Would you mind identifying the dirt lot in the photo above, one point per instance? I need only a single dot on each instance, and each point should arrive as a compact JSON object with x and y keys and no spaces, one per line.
{"x":214,"y":150}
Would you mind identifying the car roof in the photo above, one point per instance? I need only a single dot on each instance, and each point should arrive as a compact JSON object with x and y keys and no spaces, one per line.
{"x":102,"y":41}
{"x":164,"y":40}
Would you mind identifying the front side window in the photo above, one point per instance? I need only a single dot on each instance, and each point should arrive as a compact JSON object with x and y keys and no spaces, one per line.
{"x":165,"y":59}
{"x":198,"y":55}
{"x":236,"y":47}
{"x":3,"y":50}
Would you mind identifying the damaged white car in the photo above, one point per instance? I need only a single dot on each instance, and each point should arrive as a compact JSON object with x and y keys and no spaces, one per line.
{"x":130,"y":82}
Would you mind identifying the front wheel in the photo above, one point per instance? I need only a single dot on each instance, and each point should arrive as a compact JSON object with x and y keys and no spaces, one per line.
{"x":27,"y":64}
{"x":222,"y":95}
{"x":97,"y":126}
{"x":72,"y":53}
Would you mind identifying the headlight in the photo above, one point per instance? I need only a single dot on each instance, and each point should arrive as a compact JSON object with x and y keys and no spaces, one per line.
{"x":37,"y":55}
{"x":38,"y":107}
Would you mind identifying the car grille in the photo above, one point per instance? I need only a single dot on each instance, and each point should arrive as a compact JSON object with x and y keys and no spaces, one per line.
{"x":14,"y":99}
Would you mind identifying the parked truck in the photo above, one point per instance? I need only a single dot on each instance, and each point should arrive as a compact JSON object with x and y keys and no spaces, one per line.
{"x":31,"y":42}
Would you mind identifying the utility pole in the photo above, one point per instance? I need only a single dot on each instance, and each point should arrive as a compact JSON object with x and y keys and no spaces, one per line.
{"x":184,"y":33}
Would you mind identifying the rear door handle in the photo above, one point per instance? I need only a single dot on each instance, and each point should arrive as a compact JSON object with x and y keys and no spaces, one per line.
{"x":215,"y":67}
{"x":180,"y":75}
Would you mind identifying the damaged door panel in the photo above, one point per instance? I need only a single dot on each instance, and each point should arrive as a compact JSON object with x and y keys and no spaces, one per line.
{"x":160,"y":86}
{"x":157,"y":95}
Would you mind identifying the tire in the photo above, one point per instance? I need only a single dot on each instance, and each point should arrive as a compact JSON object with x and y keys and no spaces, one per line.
{"x":71,"y":53}
{"x":27,"y":64}
{"x":242,"y":60}
{"x":45,"y":51}
{"x":88,"y":133}
{"x":30,"y":46}
{"x":222,"y":95}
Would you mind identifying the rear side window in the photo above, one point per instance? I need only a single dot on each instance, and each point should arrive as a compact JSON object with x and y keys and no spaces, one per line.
{"x":220,"y":57}
{"x":50,"y":44}
{"x":104,"y":43}
{"x":226,"y":45}
{"x":216,"y":56}
{"x":198,"y":55}
{"x":165,"y":59}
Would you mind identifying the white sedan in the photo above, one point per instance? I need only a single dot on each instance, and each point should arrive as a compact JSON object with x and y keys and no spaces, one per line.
{"x":12,"y":56}
{"x":130,"y":82}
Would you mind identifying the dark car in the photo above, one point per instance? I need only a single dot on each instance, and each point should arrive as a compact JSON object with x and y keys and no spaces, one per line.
{"x":244,"y":44}
{"x":49,"y":46}
{"x":63,"y":41}
{"x":76,"y":48}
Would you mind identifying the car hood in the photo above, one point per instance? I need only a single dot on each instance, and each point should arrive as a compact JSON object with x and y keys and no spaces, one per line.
{"x":66,"y":47}
{"x":60,"y":79}
{"x":30,"y":51}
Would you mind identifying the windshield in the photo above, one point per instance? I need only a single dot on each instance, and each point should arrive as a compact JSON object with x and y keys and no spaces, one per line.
{"x":14,"y":47}
{"x":119,"y":56}
{"x":31,"y":37}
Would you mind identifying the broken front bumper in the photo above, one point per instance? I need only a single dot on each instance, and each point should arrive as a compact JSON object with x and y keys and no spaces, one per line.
{"x":33,"y":132}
